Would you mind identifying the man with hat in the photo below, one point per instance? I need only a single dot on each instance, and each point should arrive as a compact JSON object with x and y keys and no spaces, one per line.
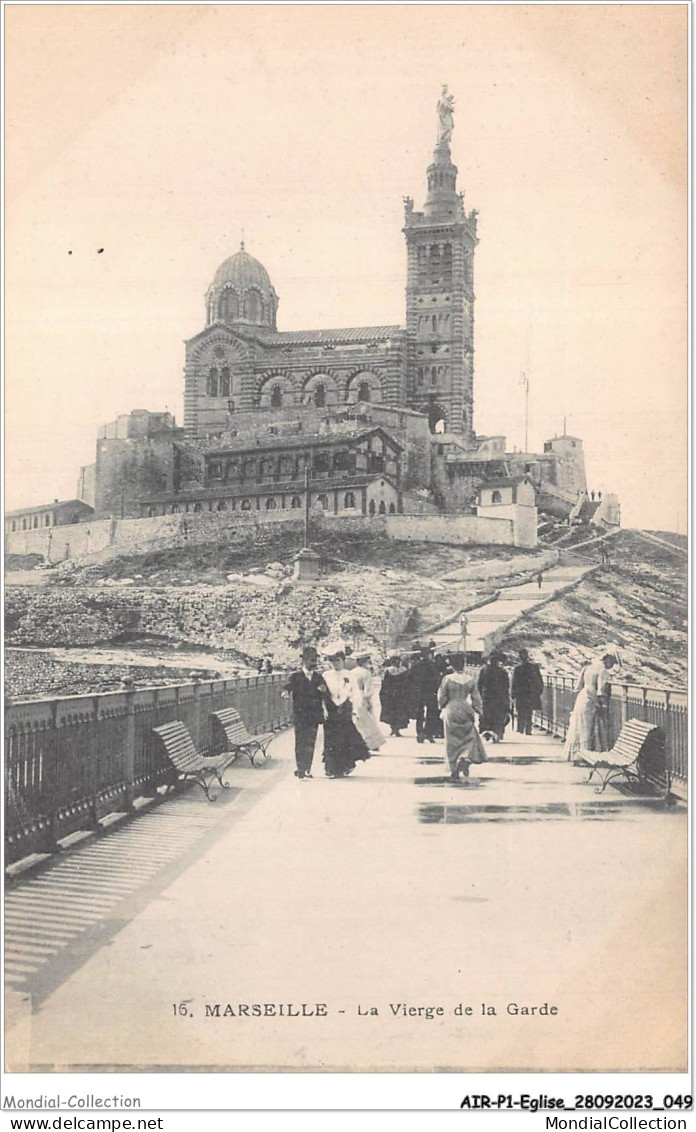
{"x":527,"y":687}
{"x":423,"y":683}
{"x":308,"y":689}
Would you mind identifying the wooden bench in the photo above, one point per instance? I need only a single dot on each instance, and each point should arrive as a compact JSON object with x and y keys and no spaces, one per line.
{"x":230,"y":733}
{"x":638,"y":755}
{"x":188,"y":762}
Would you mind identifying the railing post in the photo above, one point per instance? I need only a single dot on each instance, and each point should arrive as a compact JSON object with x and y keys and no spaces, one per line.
{"x":670,"y":736}
{"x":94,"y":767}
{"x":53,"y":784}
{"x":129,"y":751}
{"x":197,"y":714}
{"x":624,"y":711}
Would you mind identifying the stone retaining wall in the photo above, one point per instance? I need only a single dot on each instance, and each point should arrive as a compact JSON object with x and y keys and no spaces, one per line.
{"x":106,"y":538}
{"x":453,"y":529}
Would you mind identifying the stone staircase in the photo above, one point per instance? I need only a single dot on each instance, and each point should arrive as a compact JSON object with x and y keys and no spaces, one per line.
{"x":487,"y":624}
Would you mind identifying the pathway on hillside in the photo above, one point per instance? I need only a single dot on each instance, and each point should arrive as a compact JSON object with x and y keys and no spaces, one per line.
{"x":487,"y":623}
{"x":391,"y":886}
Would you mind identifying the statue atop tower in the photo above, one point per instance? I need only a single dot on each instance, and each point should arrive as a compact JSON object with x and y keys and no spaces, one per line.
{"x":445,"y":116}
{"x":441,"y":242}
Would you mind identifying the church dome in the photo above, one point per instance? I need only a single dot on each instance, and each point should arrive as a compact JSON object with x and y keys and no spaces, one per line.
{"x":241,"y":292}
{"x":242,"y":269}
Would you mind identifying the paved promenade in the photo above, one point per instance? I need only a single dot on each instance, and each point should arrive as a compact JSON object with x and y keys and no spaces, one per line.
{"x":392,"y":888}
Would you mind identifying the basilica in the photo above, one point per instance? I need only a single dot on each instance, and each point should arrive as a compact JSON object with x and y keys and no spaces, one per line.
{"x":367,"y":420}
{"x":241,"y":361}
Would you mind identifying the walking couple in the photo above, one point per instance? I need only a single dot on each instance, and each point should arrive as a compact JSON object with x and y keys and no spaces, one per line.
{"x":339,"y":699}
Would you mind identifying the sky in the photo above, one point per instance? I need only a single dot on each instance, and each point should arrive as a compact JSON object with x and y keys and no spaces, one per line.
{"x":161,"y":134}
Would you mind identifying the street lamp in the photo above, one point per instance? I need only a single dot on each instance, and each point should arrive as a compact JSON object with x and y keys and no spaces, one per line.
{"x":463,"y":628}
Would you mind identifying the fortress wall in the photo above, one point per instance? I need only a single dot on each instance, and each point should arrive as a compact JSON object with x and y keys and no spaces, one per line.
{"x":104,"y":539}
{"x":452,"y":529}
{"x":57,"y":543}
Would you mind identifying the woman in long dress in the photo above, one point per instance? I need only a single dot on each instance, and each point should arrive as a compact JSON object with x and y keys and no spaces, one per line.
{"x":494,"y":686}
{"x":343,"y":744}
{"x":587,"y":726}
{"x":458,"y":699}
{"x":393,"y":696}
{"x":362,"y":686}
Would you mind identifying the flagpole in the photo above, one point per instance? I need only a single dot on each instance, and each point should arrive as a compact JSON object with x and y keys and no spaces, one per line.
{"x":524,"y":378}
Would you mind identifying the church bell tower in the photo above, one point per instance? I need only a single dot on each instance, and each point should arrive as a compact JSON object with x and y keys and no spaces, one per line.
{"x":440,"y":243}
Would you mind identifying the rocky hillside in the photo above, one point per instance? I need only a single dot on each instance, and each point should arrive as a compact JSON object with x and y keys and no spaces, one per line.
{"x":235,"y":602}
{"x":638,"y":603}
{"x":236,"y":605}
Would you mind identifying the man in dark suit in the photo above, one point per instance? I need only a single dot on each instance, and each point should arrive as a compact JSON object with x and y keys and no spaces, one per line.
{"x":423,"y":683}
{"x":527,"y":687}
{"x":307,"y":688}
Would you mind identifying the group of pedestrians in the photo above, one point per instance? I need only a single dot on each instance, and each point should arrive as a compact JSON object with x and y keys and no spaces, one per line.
{"x":340,"y":700}
{"x":432,"y":690}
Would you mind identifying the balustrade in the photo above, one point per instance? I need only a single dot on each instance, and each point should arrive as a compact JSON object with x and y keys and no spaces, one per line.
{"x":72,"y":761}
{"x":664,"y":707}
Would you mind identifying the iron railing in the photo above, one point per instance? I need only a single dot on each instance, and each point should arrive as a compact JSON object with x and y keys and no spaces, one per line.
{"x":71,"y":762}
{"x":665,"y":707}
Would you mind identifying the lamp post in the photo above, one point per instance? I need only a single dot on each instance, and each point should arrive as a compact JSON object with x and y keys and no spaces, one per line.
{"x":306,"y":509}
{"x":463,"y":628}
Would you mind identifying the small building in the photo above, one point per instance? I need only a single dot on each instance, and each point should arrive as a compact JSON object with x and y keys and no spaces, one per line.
{"x":60,"y":513}
{"x":511,"y":498}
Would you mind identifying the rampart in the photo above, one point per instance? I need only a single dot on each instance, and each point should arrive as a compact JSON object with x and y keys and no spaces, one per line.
{"x":104,"y":538}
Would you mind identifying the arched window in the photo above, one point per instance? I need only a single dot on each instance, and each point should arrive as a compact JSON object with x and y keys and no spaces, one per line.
{"x":496,"y":497}
{"x":213,"y":382}
{"x":221,"y":505}
{"x":175,"y":508}
{"x":198,"y":506}
{"x":320,"y":396}
{"x":392,"y":509}
{"x":253,"y":307}
{"x":270,"y":503}
{"x":349,"y":499}
{"x":364,"y":391}
{"x":447,"y":264}
{"x":372,"y":507}
{"x":382,"y":508}
{"x":324,"y":501}
{"x":246,"y":505}
{"x":47,"y":520}
{"x":36,"y":521}
{"x":295,"y":502}
{"x":229,"y":306}
{"x":225,"y":386}
{"x":276,"y":397}
{"x":14,"y":525}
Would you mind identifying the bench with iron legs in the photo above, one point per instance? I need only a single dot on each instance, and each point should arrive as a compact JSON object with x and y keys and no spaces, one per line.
{"x":229,"y":731}
{"x":187,"y":762}
{"x":638,"y":755}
